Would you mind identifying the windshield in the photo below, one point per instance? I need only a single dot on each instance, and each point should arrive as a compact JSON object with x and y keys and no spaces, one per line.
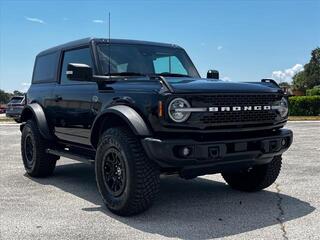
{"x":138,"y":59}
{"x":16,"y":100}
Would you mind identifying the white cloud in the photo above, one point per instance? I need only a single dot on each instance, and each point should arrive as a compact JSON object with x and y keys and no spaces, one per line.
{"x":97,"y":21}
{"x":226,"y":78}
{"x":25,"y":86}
{"x":219,"y":48}
{"x":287,"y":74}
{"x":36,"y":20}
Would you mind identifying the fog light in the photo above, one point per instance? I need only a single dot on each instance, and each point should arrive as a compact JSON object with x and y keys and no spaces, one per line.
{"x":184,"y":151}
{"x":283,"y":142}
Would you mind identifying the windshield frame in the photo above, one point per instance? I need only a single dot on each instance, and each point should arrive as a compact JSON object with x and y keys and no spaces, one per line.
{"x":99,"y":67}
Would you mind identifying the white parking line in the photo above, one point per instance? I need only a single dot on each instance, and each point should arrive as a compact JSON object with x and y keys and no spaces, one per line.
{"x":9,"y":124}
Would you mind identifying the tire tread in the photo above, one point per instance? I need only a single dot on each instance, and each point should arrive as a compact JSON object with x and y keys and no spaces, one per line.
{"x":45,"y":163}
{"x":147,"y":179}
{"x":263,"y":178}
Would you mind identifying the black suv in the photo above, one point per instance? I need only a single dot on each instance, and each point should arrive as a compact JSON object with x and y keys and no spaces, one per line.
{"x":140,"y":109}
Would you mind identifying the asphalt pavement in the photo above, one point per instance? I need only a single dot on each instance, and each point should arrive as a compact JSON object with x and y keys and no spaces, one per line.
{"x":68,"y":206}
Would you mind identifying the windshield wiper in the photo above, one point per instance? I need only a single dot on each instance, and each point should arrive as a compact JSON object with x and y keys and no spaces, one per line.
{"x":172,"y":75}
{"x":158,"y":77}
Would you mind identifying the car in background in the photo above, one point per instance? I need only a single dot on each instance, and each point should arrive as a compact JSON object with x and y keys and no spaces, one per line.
{"x":15,"y":107}
{"x":3,"y":108}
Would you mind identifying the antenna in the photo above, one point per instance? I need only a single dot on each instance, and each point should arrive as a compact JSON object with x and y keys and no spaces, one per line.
{"x":109,"y":45}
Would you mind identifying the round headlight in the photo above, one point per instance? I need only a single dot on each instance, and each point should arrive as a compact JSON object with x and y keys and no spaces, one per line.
{"x":281,"y":106}
{"x":176,"y":110}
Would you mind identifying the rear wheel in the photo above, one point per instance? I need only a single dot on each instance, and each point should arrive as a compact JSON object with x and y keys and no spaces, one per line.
{"x":37,"y":162}
{"x":258,"y":178}
{"x":127,"y":180}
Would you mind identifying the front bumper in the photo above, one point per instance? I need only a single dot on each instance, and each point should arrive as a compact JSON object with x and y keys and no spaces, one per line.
{"x":13,"y":113}
{"x":217,"y":156}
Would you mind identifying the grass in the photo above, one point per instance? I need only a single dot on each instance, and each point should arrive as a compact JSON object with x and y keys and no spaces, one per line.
{"x":304,"y":118}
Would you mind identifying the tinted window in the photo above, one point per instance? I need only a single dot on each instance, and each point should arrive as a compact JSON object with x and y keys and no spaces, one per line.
{"x":45,"y":68}
{"x":82,"y":55}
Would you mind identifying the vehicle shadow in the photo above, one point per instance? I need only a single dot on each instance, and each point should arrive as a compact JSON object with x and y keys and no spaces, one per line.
{"x":194,"y":209}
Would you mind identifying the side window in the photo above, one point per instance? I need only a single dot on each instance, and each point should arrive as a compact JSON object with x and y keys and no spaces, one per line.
{"x":81,"y":55}
{"x":45,"y":68}
{"x":170,"y":64}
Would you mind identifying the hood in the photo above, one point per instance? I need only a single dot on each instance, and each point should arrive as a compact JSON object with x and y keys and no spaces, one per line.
{"x":203,"y":85}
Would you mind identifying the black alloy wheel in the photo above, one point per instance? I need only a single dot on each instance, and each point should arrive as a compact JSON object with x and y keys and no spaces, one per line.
{"x":114,"y":172}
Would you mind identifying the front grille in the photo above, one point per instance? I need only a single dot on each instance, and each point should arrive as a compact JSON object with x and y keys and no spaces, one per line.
{"x":233,"y":99}
{"x":233,"y":117}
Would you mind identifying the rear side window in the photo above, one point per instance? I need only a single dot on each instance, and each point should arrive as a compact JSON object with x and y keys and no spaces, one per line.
{"x":16,"y":100}
{"x":45,"y":68}
{"x":81,"y":55}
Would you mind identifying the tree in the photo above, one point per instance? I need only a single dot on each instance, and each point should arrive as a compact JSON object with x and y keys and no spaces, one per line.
{"x":284,"y":84}
{"x":4,"y":97}
{"x":17,"y":93}
{"x":310,"y":76}
{"x":299,"y":81}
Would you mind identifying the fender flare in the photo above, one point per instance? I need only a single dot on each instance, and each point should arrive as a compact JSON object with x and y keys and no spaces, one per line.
{"x":126,"y":113}
{"x":35,"y":110}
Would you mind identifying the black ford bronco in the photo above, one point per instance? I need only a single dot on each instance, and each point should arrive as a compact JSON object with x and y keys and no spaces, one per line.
{"x":139,"y":109}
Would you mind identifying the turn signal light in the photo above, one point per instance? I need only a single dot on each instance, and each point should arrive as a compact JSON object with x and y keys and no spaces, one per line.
{"x":160,"y":109}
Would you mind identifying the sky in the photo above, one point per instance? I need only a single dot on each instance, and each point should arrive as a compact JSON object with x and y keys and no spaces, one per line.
{"x":243,"y":40}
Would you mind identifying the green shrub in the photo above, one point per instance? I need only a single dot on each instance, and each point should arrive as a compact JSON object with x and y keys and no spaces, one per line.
{"x":304,"y":106}
{"x":314,"y":91}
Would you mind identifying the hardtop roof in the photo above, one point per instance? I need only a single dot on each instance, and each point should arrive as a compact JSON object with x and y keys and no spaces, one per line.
{"x":85,"y":41}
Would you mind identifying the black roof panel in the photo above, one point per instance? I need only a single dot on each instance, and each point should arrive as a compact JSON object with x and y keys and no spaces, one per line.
{"x":85,"y":41}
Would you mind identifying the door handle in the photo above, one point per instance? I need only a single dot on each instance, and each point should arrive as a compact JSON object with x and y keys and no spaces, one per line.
{"x":58,"y":98}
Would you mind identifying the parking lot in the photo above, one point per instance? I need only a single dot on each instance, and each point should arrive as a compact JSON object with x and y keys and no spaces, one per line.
{"x":68,"y":206}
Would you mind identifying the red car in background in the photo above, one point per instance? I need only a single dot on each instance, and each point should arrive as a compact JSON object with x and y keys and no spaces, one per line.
{"x":3,"y":108}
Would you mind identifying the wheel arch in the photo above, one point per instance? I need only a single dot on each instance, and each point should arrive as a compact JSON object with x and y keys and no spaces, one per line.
{"x":118,"y":115}
{"x":35,"y":111}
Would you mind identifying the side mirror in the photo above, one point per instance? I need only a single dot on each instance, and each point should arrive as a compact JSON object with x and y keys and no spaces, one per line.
{"x":213,"y":74}
{"x":79,"y":72}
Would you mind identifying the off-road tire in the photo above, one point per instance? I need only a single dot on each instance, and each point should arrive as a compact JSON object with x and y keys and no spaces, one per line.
{"x":142,"y":176}
{"x":41,"y":164}
{"x":258,"y":178}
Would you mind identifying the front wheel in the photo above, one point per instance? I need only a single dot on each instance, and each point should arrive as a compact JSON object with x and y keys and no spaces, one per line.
{"x":258,"y":178}
{"x":127,"y":180}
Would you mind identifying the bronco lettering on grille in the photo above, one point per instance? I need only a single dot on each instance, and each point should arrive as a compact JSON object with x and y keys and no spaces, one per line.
{"x":239,"y":108}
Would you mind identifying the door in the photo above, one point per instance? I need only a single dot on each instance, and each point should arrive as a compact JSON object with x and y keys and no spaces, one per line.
{"x":73,"y":110}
